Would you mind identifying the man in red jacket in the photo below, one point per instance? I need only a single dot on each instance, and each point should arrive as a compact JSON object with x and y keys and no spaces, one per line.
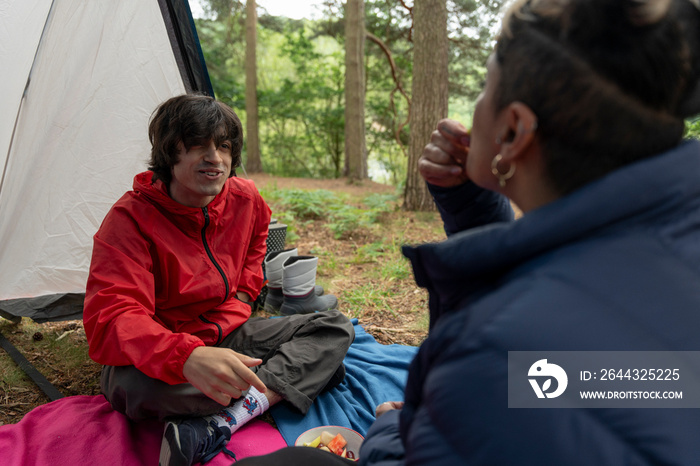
{"x":176,"y":265}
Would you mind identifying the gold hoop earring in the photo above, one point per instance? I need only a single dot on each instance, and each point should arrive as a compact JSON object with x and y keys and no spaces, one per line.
{"x":502,"y":177}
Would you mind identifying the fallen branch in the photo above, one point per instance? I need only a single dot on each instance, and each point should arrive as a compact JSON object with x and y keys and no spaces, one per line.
{"x":387,"y":329}
{"x":64,"y":334}
{"x":12,"y":405}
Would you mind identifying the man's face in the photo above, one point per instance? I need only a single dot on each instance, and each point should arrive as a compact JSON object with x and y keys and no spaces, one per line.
{"x":200,"y":173}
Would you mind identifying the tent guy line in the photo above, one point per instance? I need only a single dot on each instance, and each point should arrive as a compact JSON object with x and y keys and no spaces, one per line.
{"x":36,"y":376}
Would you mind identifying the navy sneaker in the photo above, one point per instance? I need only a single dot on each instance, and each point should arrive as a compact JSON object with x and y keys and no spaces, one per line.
{"x":190,"y":441}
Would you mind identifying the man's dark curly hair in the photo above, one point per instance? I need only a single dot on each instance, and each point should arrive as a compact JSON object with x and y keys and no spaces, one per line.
{"x":193,"y":120}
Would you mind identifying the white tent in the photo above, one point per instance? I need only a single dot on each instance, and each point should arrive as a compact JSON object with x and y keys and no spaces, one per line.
{"x":78,"y":82}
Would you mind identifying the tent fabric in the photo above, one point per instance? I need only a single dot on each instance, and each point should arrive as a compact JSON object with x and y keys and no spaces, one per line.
{"x":80,"y":81}
{"x":22,"y":24}
{"x":46,"y":308}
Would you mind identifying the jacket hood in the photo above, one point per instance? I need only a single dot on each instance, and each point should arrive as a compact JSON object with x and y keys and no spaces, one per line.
{"x":467,"y":261}
{"x":189,"y":217}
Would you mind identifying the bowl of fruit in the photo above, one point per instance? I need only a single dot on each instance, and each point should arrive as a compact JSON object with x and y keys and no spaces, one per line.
{"x":339,"y":440}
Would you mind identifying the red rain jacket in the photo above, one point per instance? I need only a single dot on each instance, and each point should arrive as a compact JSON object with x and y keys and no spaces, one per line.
{"x":164,"y":277}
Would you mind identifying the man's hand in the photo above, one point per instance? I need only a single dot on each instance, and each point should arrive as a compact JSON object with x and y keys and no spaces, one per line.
{"x":221,"y":373}
{"x":443,"y":162}
{"x":388,"y":406}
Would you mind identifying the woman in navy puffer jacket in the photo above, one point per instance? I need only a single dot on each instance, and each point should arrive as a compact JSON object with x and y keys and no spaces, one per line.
{"x":580,"y":125}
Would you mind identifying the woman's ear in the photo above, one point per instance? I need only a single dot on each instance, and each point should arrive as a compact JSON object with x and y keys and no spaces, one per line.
{"x":521,"y":126}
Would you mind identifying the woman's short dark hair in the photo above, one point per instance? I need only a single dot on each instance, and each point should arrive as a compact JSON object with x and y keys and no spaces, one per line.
{"x":193,"y":120}
{"x":610,"y":81}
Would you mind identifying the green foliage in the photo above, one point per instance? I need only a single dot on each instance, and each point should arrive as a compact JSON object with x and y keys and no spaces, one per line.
{"x":370,"y":252}
{"x":346,"y":219}
{"x":223,"y":47}
{"x":304,"y":115}
{"x":292,"y":223}
{"x":380,"y":202}
{"x":221,"y":9}
{"x":303,"y":204}
{"x":369,"y":295}
{"x":331,"y":265}
{"x":343,"y":218}
{"x":397,"y":268}
{"x":386,"y":106}
{"x":471,"y":28}
{"x":393,"y":266}
{"x":11,"y":376}
{"x":301,"y":80}
{"x":692,"y":128}
{"x":300,"y":91}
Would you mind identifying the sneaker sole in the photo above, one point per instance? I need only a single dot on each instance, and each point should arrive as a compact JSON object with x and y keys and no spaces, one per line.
{"x":166,"y":454}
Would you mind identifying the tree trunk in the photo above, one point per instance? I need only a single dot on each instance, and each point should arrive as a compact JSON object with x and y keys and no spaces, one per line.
{"x":355,"y":148}
{"x":253,"y":164}
{"x":429,"y":93}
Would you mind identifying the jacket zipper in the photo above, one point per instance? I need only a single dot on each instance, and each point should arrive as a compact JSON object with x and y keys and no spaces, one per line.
{"x":218,"y":267}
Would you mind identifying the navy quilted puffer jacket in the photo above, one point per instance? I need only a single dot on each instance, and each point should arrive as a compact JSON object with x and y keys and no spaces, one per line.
{"x":614,"y":266}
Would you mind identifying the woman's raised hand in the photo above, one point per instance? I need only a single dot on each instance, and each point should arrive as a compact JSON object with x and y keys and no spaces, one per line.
{"x":443,"y":162}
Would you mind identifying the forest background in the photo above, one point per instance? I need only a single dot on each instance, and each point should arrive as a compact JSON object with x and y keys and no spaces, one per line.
{"x":290,"y":80}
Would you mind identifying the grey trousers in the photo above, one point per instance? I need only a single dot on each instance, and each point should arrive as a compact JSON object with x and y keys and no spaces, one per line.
{"x":302,"y":355}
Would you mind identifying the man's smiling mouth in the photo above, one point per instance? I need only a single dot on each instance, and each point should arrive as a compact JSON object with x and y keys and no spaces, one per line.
{"x":211,"y":172}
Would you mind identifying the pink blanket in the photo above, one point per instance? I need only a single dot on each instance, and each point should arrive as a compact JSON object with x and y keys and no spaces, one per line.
{"x":81,"y":430}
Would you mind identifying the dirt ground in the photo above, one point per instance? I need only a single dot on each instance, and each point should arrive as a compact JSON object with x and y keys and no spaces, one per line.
{"x":263,"y":180}
{"x":397,"y":315}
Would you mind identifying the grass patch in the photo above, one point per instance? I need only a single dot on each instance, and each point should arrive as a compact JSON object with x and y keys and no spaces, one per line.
{"x":11,"y":376}
{"x":369,"y":253}
{"x":69,"y":369}
{"x":368,"y":296}
{"x":328,"y":265}
{"x":343,"y":216}
{"x":396,"y":268}
{"x":422,"y":322}
{"x":302,"y":204}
